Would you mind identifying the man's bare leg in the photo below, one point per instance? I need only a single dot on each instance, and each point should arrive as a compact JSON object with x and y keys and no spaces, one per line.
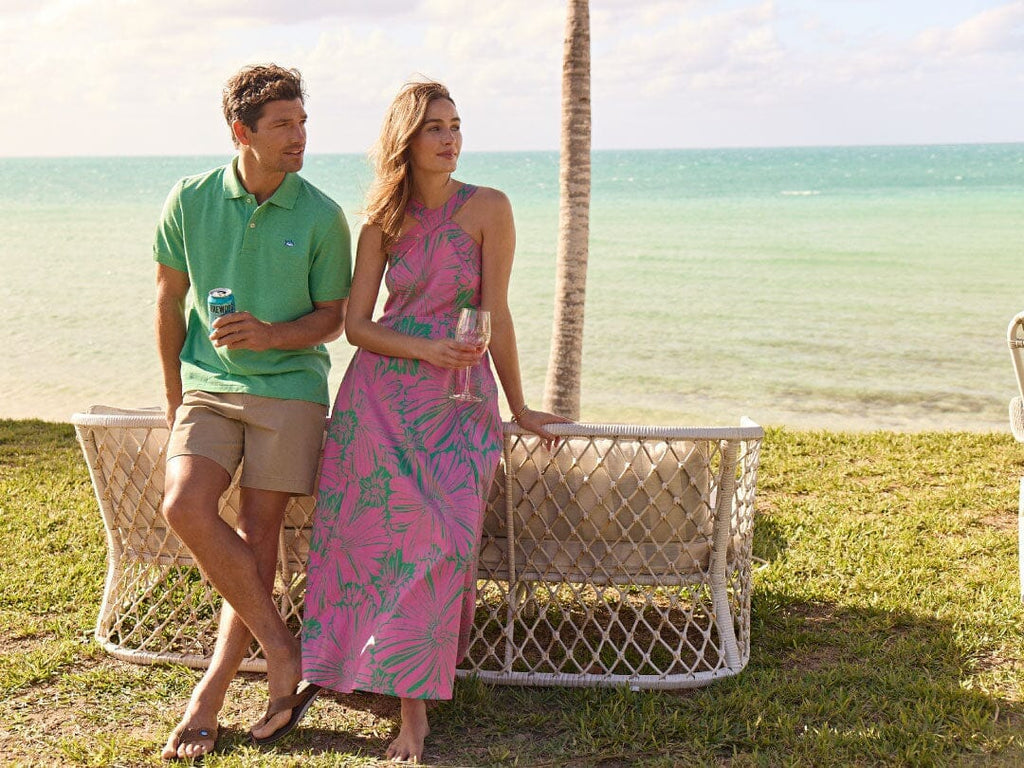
{"x":233,"y":639}
{"x":258,"y":505}
{"x":193,"y":487}
{"x":414,"y":731}
{"x":260,"y":530}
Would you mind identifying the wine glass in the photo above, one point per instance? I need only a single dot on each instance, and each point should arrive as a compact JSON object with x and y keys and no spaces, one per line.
{"x":474,"y":328}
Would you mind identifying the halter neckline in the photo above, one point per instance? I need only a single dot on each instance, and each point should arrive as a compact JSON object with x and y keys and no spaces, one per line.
{"x":446,"y":210}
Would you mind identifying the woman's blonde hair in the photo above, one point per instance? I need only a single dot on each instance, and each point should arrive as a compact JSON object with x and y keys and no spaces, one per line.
{"x":392,"y":183}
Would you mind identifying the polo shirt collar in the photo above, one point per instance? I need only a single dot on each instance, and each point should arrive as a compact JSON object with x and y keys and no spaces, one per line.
{"x":283,"y":197}
{"x":232,"y":184}
{"x":287,"y":193}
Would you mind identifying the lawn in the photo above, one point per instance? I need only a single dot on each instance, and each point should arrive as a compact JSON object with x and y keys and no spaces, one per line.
{"x":886,"y":631}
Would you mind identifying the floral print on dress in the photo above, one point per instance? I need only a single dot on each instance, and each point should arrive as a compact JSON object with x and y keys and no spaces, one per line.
{"x":406,"y":470}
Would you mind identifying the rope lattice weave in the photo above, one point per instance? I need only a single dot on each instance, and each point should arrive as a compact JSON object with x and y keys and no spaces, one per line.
{"x":621,"y":557}
{"x":1015,"y":341}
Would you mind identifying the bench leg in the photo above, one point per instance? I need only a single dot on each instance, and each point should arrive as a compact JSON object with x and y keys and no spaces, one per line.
{"x":1020,"y":538}
{"x":718,"y":567}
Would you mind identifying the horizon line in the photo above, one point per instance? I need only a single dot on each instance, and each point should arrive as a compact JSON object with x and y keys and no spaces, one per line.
{"x":738,"y":147}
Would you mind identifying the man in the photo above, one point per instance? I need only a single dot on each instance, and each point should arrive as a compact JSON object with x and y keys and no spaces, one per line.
{"x":253,"y":384}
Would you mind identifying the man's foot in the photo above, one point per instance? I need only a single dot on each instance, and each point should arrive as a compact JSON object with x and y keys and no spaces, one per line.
{"x":295,"y":706}
{"x":408,"y":746}
{"x":189,"y":741}
{"x":289,"y":670}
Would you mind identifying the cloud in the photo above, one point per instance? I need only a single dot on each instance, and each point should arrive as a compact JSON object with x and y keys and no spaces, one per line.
{"x":993,"y":31}
{"x":499,"y":62}
{"x":13,"y":8}
{"x":658,"y":54}
{"x":131,"y":76}
{"x":276,"y":12}
{"x":152,"y":15}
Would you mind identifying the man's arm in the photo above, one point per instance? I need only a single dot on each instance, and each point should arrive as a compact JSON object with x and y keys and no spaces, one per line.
{"x":171,"y":289}
{"x":242,"y":330}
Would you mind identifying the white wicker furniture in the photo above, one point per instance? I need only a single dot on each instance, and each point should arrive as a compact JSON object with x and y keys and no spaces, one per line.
{"x":623,"y":557}
{"x":1015,"y":340}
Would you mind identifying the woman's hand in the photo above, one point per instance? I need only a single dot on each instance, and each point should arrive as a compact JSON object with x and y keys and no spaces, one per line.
{"x":535,"y":421}
{"x":448,"y":353}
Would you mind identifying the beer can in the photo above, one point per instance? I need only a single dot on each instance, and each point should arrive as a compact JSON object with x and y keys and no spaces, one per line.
{"x":220,"y":302}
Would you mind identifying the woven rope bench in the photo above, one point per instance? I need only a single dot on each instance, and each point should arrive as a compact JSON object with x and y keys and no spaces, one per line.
{"x":621,"y":558}
{"x":1015,"y":341}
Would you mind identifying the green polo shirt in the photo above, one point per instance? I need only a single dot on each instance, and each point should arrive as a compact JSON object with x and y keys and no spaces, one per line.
{"x":278,"y":258}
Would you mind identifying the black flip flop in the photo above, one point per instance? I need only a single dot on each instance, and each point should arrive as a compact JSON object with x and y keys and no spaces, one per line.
{"x":299,"y":703}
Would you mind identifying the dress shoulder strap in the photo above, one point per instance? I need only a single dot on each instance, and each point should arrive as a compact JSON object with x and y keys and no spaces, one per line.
{"x":431,"y":218}
{"x":457,"y":200}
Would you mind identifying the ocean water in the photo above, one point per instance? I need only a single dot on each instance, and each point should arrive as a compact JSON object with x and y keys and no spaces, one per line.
{"x":848,"y":288}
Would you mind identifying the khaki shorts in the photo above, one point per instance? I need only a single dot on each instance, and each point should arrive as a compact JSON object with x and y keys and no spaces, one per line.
{"x":280,"y":440}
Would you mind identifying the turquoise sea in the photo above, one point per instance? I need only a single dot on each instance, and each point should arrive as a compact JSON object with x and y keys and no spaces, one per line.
{"x":851,"y":288}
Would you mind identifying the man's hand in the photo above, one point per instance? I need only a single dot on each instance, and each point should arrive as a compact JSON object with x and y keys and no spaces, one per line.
{"x":241,"y":330}
{"x":171,"y":408}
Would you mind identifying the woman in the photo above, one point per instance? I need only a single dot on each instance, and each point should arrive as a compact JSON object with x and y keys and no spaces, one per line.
{"x":406,"y":469}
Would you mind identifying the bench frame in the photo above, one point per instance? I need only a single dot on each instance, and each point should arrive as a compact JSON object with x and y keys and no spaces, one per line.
{"x":621,"y":558}
{"x":1015,"y":342}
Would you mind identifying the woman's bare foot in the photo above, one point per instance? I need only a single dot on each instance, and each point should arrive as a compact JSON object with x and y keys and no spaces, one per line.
{"x":414,"y":731}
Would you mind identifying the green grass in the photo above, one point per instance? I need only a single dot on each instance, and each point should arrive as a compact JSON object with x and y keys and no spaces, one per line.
{"x":886,"y":631}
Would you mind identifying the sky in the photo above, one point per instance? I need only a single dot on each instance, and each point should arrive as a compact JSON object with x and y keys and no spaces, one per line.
{"x":143,"y":77}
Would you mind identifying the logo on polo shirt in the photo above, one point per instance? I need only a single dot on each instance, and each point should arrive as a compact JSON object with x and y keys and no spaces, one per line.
{"x":290,"y":243}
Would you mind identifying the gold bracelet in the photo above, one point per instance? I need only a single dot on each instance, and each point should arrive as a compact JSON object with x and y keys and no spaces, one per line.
{"x":518,"y":414}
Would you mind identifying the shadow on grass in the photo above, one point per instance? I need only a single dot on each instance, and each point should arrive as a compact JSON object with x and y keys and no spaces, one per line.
{"x":831,"y":681}
{"x":870,"y":684}
{"x":826,"y":685}
{"x":769,"y":540}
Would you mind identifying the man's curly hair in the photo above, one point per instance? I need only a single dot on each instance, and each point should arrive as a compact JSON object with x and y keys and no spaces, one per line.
{"x":252,"y":87}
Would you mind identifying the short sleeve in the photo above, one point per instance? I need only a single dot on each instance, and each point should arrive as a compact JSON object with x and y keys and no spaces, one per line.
{"x":330,"y":276}
{"x":169,"y":242}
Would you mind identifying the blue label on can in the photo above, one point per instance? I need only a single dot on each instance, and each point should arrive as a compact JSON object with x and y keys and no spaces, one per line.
{"x":220,"y":301}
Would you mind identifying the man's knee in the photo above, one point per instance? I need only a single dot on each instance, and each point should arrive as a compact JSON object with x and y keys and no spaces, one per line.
{"x":259,"y":533}
{"x":179,"y":510}
{"x":193,"y":486}
{"x":260,"y":516}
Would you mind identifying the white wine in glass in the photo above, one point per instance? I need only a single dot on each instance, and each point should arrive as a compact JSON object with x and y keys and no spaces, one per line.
{"x":474,"y":328}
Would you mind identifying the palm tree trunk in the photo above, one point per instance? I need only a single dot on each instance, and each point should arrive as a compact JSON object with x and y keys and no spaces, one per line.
{"x":562,"y":388}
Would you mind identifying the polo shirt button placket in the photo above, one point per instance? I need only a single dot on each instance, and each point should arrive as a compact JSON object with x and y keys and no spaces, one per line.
{"x":249,"y":239}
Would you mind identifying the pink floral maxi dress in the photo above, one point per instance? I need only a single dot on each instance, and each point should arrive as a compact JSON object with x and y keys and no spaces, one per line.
{"x":406,"y":471}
